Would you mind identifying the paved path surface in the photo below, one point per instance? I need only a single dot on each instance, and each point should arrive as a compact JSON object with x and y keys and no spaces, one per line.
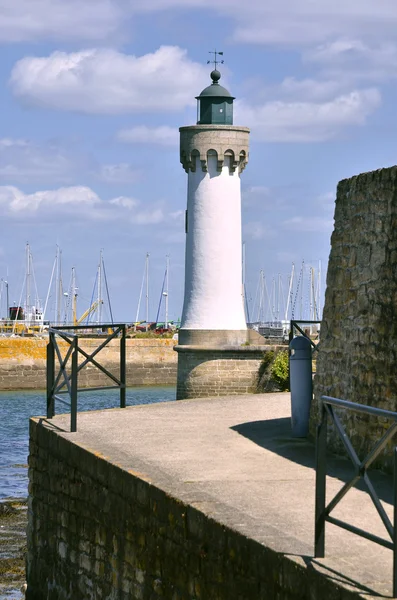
{"x":234,"y":459}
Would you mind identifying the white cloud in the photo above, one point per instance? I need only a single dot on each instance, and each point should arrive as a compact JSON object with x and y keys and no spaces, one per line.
{"x":29,"y":20}
{"x":257,"y":190}
{"x":309,"y":224}
{"x":107,"y":81}
{"x":339,"y":49}
{"x":163,"y":135}
{"x":327,"y":201}
{"x":255,"y":195}
{"x":18,"y":202}
{"x":279,"y":121}
{"x":145,"y":217}
{"x":124,"y":202}
{"x":75,"y":202}
{"x":344,"y":51}
{"x":10,"y":143}
{"x":24,"y":161}
{"x":281,"y":22}
{"x":149,"y":217}
{"x":255,"y":230}
{"x":315,"y":90}
{"x":288,"y":22}
{"x":353,"y":60}
{"x":118,"y":173}
{"x":178,"y":215}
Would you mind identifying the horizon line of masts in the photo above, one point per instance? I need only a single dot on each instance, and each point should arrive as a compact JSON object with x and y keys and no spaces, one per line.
{"x":298,"y":303}
{"x":65,"y":301}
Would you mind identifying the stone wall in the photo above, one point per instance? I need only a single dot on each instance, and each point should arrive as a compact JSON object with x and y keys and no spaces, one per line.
{"x":97,"y":530}
{"x":205,"y":372}
{"x":149,"y":362}
{"x":358,"y":348}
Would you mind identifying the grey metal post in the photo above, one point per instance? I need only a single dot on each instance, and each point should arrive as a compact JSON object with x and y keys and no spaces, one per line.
{"x":122,"y":367}
{"x":321,"y":474}
{"x":50,"y":376}
{"x":395,"y":527}
{"x":301,"y":384}
{"x":73,"y":394}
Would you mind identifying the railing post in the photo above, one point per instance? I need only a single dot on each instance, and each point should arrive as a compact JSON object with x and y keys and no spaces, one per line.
{"x":321,"y":473}
{"x":50,"y":376}
{"x":395,"y":527}
{"x":73,"y":395}
{"x":122,"y":367}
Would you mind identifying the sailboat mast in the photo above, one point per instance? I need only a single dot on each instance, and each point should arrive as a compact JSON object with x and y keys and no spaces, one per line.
{"x":147,"y":289}
{"x":27,"y":302}
{"x":260,"y":289}
{"x":140,"y":295}
{"x":74,"y":296}
{"x":49,"y":287}
{"x":59,"y":288}
{"x":279,"y":296}
{"x":273,"y":293}
{"x":56,"y":283}
{"x":302,"y":274}
{"x":166,"y":290}
{"x":99,"y":313}
{"x":289,"y":298}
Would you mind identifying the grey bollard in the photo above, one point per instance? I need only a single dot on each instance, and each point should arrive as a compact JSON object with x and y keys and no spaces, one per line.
{"x":301,"y":384}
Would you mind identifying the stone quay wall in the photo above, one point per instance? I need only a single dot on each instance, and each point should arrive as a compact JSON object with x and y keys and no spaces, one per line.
{"x":209,"y":371}
{"x":97,"y":530}
{"x":149,"y":362}
{"x":358,"y":349}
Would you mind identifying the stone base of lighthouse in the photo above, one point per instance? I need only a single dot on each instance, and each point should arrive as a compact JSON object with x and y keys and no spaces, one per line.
{"x":218,"y":363}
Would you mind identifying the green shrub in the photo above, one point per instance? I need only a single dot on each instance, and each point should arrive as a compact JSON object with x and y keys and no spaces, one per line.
{"x":267,"y":359}
{"x":279,"y":371}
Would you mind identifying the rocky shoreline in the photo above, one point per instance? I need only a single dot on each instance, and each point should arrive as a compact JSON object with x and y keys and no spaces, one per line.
{"x":13,"y":522}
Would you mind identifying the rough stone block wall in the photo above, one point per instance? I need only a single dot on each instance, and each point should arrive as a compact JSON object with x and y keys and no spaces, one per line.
{"x":149,"y":362}
{"x":98,"y":531}
{"x":358,"y":348}
{"x":203,"y":373}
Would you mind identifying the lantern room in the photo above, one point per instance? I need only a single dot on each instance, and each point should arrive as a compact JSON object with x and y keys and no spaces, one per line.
{"x":215,"y":104}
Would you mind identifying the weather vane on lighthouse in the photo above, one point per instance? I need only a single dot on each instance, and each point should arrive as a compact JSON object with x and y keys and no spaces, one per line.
{"x":215,"y":61}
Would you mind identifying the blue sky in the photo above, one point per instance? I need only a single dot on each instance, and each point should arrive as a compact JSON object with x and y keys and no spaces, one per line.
{"x":93,"y":93}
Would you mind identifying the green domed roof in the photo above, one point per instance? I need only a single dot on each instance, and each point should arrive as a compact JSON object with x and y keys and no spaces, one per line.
{"x":215,"y":90}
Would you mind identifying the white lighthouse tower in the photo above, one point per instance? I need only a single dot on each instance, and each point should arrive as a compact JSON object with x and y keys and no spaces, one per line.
{"x":214,"y":153}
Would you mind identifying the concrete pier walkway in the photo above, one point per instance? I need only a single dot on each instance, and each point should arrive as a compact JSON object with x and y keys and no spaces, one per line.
{"x":234,"y":459}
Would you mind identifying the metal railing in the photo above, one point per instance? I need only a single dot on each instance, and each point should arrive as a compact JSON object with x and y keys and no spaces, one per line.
{"x":66,"y":379}
{"x":296,"y":325}
{"x":322,"y":511}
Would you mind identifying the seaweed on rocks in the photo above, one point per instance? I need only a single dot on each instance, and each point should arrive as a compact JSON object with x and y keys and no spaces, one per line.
{"x":13,"y":522}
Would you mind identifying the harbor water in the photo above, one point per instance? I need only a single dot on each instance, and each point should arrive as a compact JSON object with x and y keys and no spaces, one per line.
{"x":15,"y":410}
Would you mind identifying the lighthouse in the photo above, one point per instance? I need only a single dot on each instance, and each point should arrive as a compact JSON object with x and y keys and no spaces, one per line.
{"x":214,"y":153}
{"x":212,"y":344}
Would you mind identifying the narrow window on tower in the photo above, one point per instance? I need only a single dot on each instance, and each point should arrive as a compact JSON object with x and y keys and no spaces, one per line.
{"x":186,"y":225}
